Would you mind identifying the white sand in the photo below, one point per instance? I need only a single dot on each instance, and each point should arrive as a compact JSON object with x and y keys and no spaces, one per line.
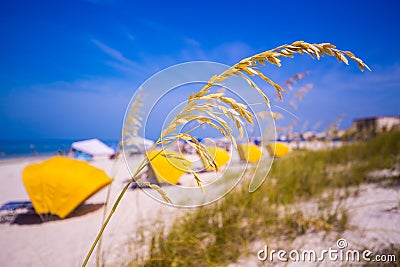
{"x":375,"y":219}
{"x":66,"y":242}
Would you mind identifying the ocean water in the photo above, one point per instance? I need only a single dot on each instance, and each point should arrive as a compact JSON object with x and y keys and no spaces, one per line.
{"x":26,"y":148}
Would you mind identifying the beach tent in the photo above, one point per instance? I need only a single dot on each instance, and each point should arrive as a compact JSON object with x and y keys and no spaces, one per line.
{"x":137,"y":144}
{"x":58,"y":185}
{"x":94,"y":148}
{"x":281,"y":149}
{"x":220,"y":156}
{"x":249,"y":152}
{"x":167,"y":166}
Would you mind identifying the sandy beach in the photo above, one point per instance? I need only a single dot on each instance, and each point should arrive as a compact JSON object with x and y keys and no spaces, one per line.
{"x":374,"y":219}
{"x":66,"y":242}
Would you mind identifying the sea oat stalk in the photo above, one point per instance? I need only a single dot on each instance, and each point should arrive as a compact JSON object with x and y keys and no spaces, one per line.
{"x":204,"y":100}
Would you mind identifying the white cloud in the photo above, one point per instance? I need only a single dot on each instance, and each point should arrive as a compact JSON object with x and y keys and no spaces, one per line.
{"x":192,"y":42}
{"x":227,"y":53}
{"x":113,"y":52}
{"x":96,"y":85}
{"x":120,"y":61}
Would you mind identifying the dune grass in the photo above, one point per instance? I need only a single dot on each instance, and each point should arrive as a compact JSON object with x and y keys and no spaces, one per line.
{"x":204,"y":105}
{"x":218,"y":234}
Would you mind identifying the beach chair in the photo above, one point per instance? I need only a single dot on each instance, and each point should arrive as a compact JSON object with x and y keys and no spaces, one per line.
{"x":10,"y":210}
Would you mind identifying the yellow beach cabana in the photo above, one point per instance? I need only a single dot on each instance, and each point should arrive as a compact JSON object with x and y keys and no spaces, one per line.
{"x":250,"y":153}
{"x":281,"y":149}
{"x":167,"y":166}
{"x":221,"y":157}
{"x":59,"y":185}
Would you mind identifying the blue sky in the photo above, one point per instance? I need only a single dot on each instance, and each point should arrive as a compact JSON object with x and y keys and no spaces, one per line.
{"x":69,"y":68}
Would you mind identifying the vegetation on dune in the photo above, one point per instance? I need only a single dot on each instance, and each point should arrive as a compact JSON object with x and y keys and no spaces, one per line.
{"x":218,"y":234}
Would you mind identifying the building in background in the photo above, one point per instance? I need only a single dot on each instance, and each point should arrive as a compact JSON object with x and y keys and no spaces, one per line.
{"x":377,"y":124}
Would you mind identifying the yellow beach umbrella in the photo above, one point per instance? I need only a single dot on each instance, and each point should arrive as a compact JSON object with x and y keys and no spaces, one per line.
{"x":167,"y":166}
{"x":249,"y":152}
{"x":220,"y":156}
{"x":58,"y":185}
{"x":281,"y":149}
